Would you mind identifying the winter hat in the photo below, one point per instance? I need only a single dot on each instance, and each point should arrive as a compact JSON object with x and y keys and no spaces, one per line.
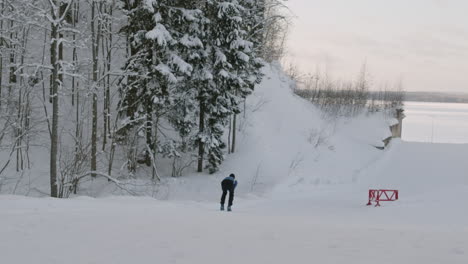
{"x":232,"y":175}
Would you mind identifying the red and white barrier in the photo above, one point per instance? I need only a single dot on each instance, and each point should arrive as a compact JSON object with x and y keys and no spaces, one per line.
{"x":378,"y":196}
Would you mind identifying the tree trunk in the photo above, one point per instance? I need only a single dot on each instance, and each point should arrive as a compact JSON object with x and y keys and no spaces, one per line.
{"x":22,"y":104}
{"x":149,"y":134}
{"x":104,"y":35}
{"x":55,"y":106}
{"x":74,"y":52}
{"x":109,"y":61}
{"x":245,"y":108}
{"x":155,"y":141}
{"x":234,"y":124}
{"x":12,"y":75}
{"x":18,"y":132}
{"x":200,"y":141}
{"x":107,"y":54}
{"x":229,"y":135}
{"x":75,"y":89}
{"x":95,"y":54}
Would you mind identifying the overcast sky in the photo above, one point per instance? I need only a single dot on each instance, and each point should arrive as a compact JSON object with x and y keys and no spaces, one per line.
{"x":423,"y":42}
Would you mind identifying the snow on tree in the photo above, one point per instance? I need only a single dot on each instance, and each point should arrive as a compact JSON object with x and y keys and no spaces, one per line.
{"x":229,"y":56}
{"x":189,"y":61}
{"x":160,"y":36}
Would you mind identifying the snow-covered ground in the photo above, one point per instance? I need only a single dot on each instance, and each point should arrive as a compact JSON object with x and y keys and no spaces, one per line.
{"x":310,"y":224}
{"x":303,"y":182}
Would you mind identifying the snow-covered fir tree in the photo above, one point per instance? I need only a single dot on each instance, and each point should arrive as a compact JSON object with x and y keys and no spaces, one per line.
{"x":160,"y":43}
{"x":232,"y":61}
{"x":220,"y":101}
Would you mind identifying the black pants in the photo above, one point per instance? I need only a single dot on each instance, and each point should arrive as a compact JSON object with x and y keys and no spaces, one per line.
{"x":227,"y":186}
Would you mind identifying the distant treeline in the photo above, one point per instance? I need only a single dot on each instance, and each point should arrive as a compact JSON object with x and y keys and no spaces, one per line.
{"x":436,"y":97}
{"x":346,"y":98}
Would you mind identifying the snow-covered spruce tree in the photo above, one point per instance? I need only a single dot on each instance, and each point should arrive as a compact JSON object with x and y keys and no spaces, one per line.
{"x":215,"y":99}
{"x":184,"y":113}
{"x":229,"y":59}
{"x":157,"y":33}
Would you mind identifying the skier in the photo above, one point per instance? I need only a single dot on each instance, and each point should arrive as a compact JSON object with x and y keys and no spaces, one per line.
{"x":228,"y":184}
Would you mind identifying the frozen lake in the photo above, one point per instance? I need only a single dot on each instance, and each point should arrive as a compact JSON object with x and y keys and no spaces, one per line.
{"x":436,"y":122}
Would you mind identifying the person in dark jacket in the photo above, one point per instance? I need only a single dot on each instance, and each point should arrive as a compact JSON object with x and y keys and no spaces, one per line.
{"x":228,"y":185}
